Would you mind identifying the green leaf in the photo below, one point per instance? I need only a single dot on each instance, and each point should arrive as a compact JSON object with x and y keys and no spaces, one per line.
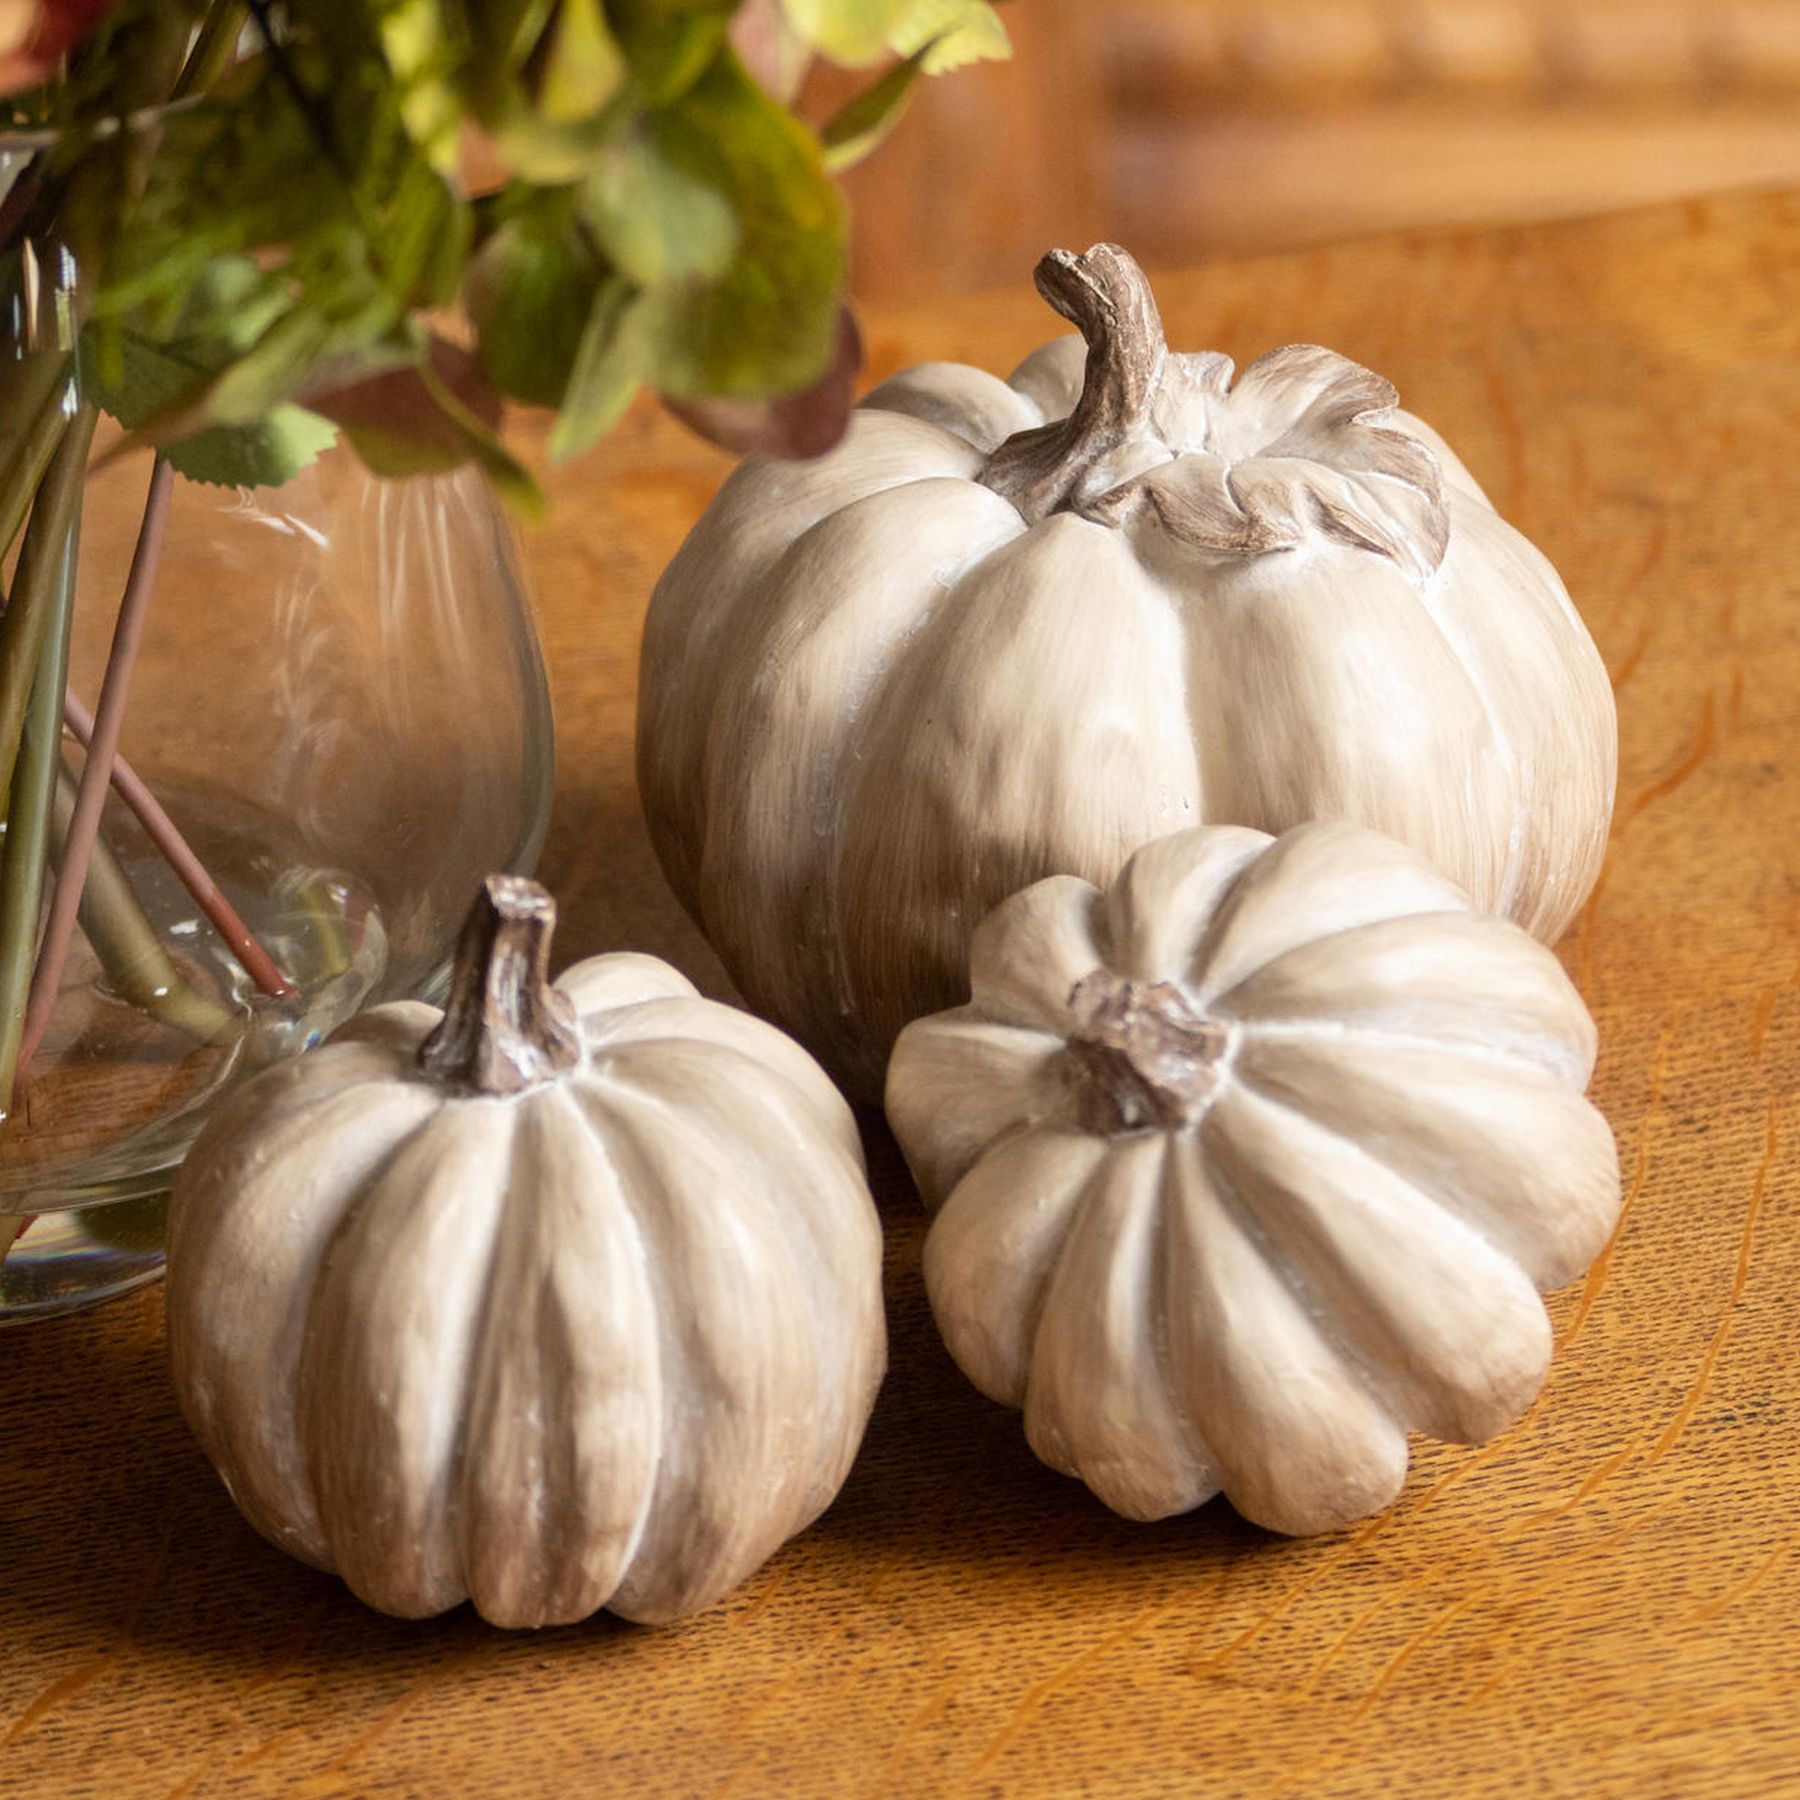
{"x":854,"y":32}
{"x":227,"y":306}
{"x":553,"y":84}
{"x":511,"y":480}
{"x":329,"y":187}
{"x":583,"y":66}
{"x":669,"y":45}
{"x":766,"y":323}
{"x":422,"y":52}
{"x":858,"y":32}
{"x":672,"y":224}
{"x":244,"y":388}
{"x":862,"y":122}
{"x":529,"y":293}
{"x":953,"y":33}
{"x":265,"y":374}
{"x":547,"y":81}
{"x":503,"y":33}
{"x":495,"y":39}
{"x":608,"y":370}
{"x":533,"y":148}
{"x":660,"y":203}
{"x":421,"y":246}
{"x":135,"y":380}
{"x":805,"y":423}
{"x":267,"y":453}
{"x":237,"y":173}
{"x":411,"y":419}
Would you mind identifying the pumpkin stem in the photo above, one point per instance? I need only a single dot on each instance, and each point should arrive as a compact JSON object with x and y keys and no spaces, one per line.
{"x":505,"y":1029}
{"x":1143,"y":1059}
{"x":1107,"y":297}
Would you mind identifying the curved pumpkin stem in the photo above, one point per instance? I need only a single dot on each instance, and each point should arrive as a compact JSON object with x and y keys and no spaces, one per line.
{"x":1107,"y":297}
{"x":505,"y":1029}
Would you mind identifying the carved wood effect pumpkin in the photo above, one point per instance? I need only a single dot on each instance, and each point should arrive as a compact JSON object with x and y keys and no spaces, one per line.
{"x":1015,"y":628}
{"x":1251,"y":1165}
{"x":567,"y":1298}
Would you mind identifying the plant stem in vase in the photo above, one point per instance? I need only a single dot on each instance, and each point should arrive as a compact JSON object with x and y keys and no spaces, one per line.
{"x":25,"y":474}
{"x":137,"y":967}
{"x":235,"y":228}
{"x":175,"y":850}
{"x":84,"y":823}
{"x":34,"y":644}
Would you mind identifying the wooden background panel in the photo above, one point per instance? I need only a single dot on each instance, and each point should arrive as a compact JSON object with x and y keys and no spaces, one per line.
{"x":1600,"y":1602}
{"x":1187,"y":128}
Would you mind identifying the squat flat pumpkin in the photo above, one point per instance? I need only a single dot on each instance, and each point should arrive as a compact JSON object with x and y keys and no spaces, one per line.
{"x":1251,"y":1165}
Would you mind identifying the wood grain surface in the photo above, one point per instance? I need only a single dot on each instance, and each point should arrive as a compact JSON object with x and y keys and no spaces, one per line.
{"x":1601,"y":1603}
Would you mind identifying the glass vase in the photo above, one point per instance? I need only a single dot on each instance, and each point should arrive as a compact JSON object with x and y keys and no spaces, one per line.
{"x":338,"y":705}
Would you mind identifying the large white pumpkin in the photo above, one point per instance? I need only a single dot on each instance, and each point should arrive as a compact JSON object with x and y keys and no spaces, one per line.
{"x":883,"y":690}
{"x":567,"y":1298}
{"x":1252,"y":1164}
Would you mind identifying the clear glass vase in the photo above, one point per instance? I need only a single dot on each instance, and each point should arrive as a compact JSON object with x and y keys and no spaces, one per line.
{"x":339,"y":703}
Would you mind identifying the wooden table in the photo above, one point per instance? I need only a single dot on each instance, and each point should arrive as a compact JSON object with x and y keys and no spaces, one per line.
{"x":1606,"y":1601}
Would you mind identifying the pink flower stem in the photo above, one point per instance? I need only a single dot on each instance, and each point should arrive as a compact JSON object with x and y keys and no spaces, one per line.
{"x":84,"y":826}
{"x":96,"y":775}
{"x":175,"y":850}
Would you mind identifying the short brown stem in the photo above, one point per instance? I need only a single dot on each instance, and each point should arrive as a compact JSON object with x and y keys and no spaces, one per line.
{"x":1107,"y":297}
{"x":505,"y":1028}
{"x":1142,"y":1059}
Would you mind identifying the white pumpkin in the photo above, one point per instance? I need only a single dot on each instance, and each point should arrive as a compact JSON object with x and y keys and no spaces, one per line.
{"x":567,"y":1298}
{"x":1251,"y":1165}
{"x":969,"y":648}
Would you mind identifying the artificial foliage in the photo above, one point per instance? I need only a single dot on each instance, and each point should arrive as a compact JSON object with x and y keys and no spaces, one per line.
{"x":247,"y":230}
{"x":271,"y":211}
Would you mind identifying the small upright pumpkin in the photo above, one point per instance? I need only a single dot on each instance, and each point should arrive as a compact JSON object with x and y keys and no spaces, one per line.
{"x":1014,"y":629}
{"x":1250,"y":1165}
{"x":568,"y":1297}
